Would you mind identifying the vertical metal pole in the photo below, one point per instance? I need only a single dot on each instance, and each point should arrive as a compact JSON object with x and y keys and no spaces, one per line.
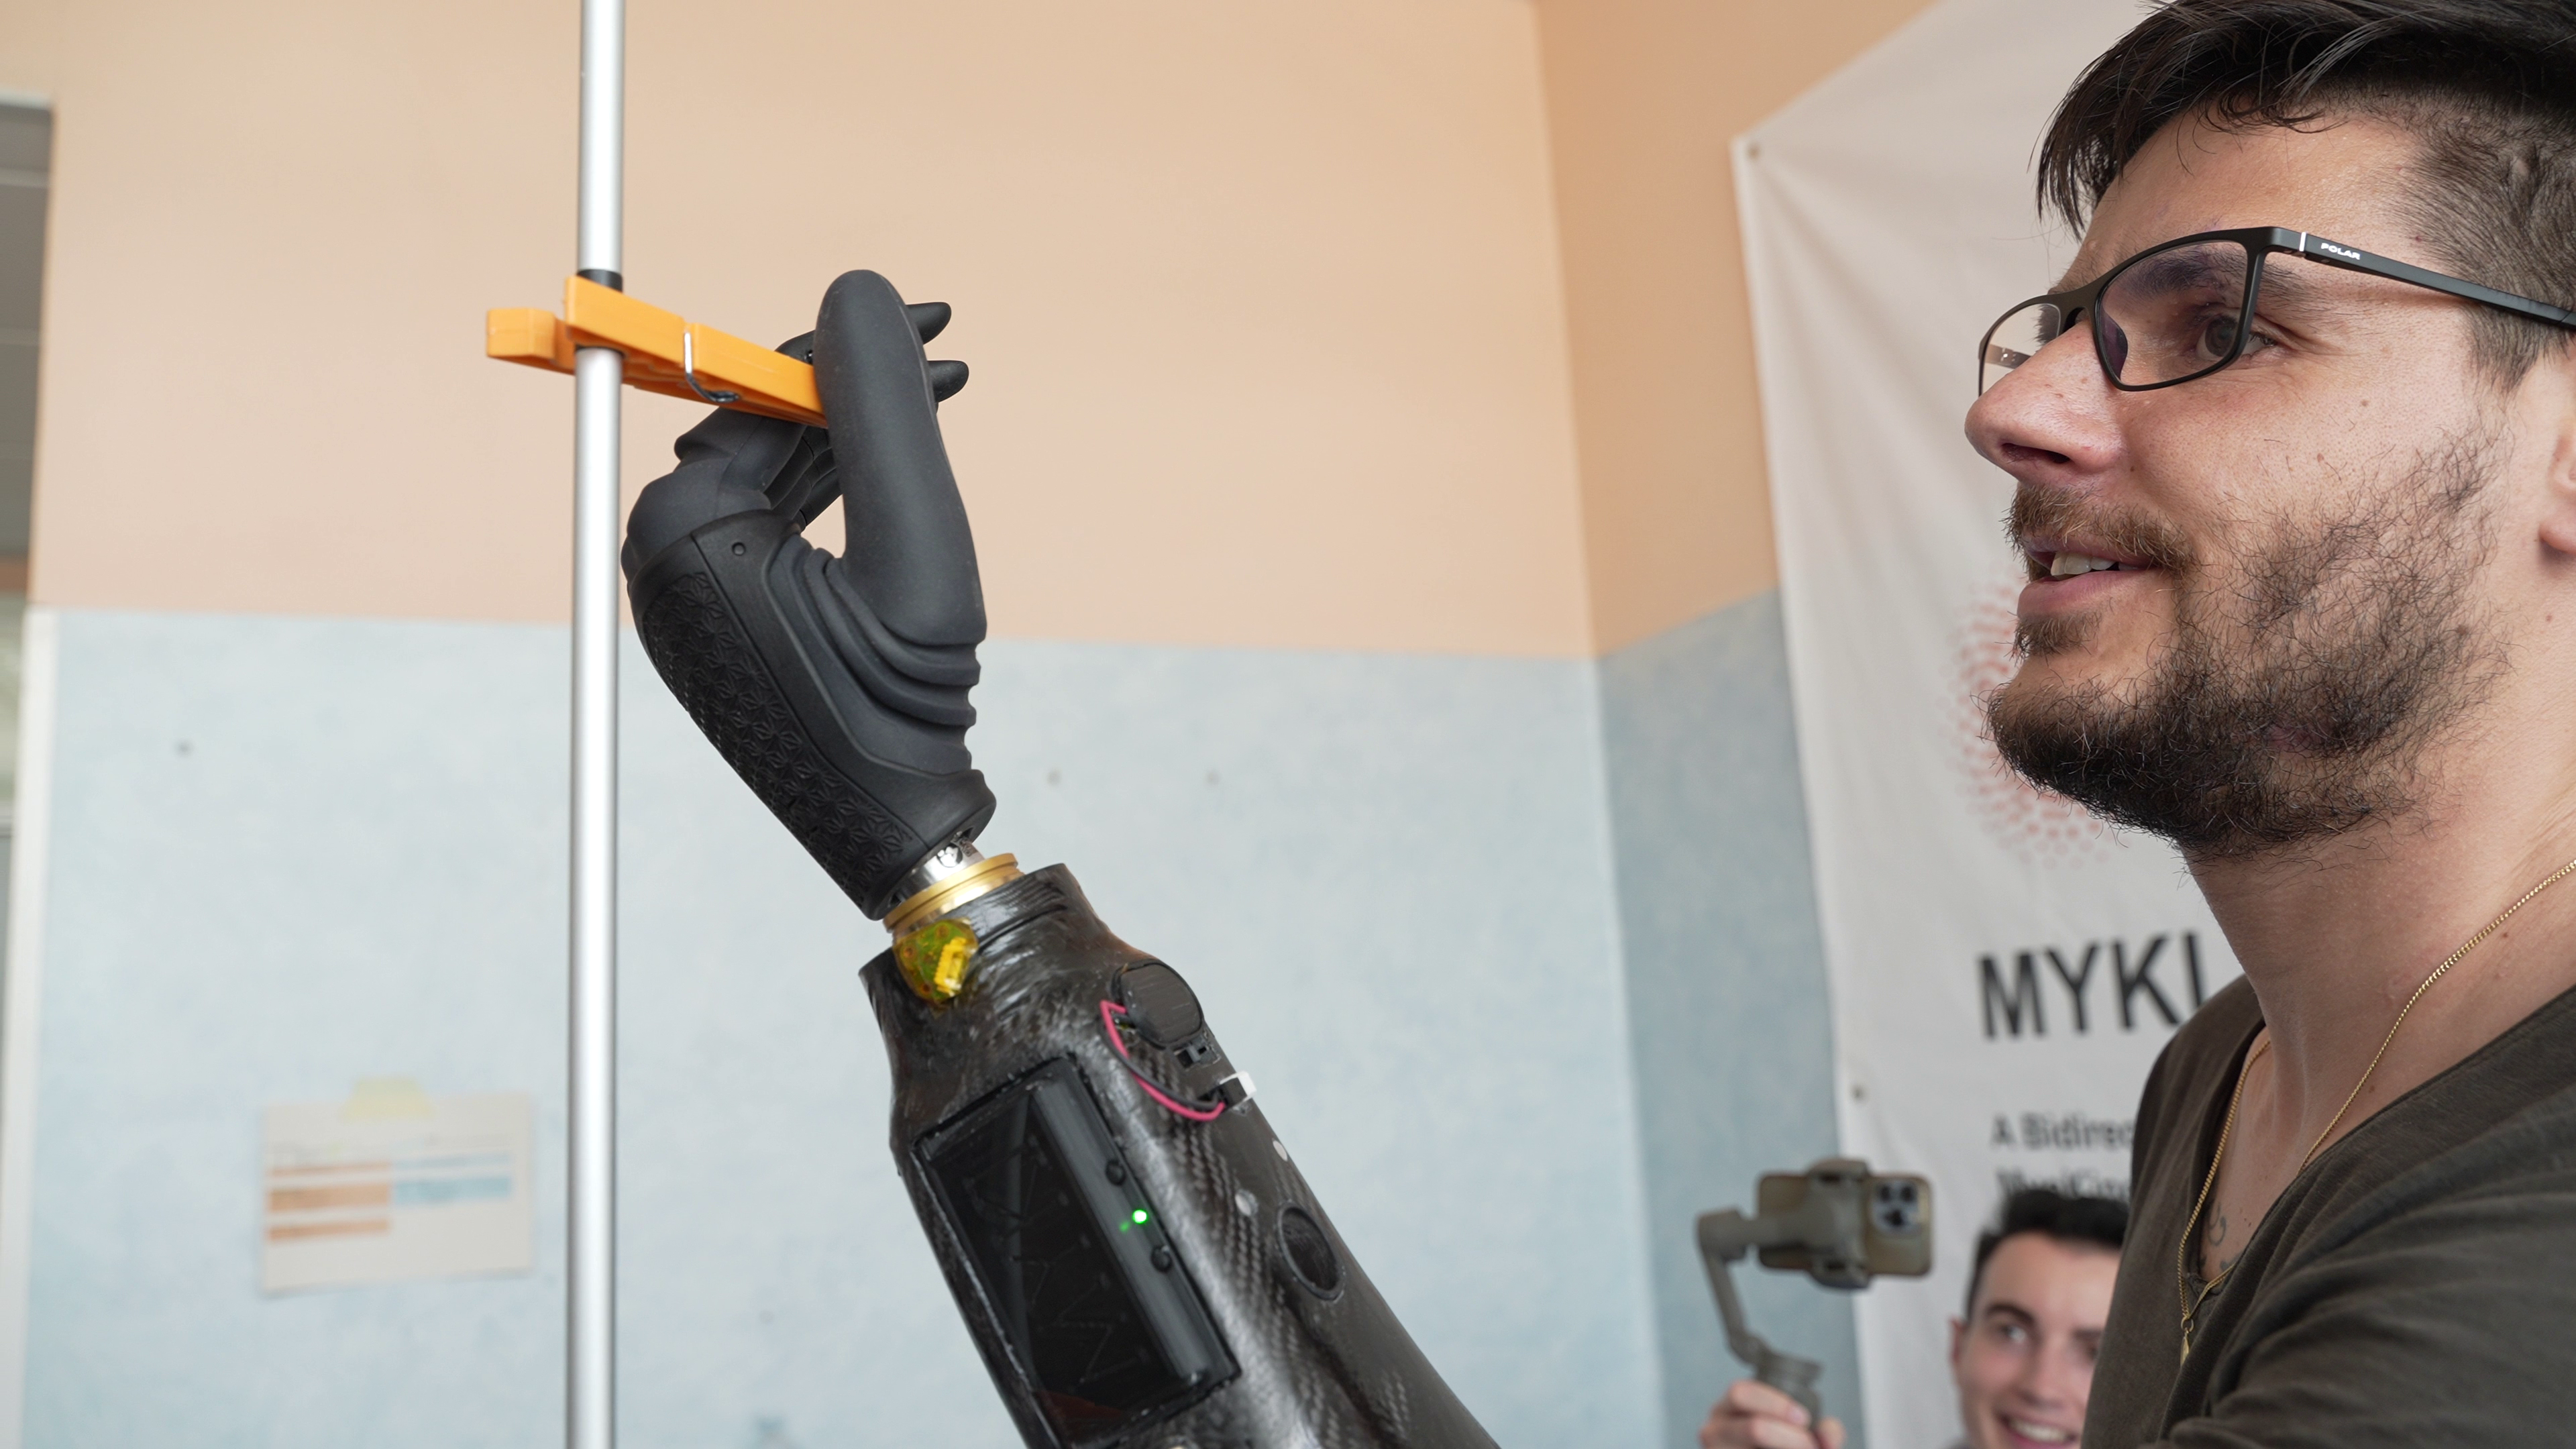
{"x":590,"y":1398}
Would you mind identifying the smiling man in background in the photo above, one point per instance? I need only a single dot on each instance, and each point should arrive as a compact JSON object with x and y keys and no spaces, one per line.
{"x":2296,"y":462}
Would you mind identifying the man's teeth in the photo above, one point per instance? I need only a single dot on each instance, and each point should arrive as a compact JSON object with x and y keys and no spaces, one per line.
{"x":2039,"y":1433}
{"x":2067,"y":565}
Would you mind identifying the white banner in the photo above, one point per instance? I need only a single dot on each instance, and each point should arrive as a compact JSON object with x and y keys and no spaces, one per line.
{"x":2004,"y":970}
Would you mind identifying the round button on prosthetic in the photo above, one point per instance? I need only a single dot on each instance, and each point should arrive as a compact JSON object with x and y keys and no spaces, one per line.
{"x":1309,"y":1252}
{"x":1160,"y":1005}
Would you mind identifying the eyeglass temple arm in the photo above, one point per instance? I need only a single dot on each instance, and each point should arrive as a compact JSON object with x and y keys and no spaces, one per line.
{"x":2354,"y":259}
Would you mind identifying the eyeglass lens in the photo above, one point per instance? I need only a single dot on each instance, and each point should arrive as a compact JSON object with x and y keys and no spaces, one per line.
{"x":2167,"y":316}
{"x":2017,"y":339}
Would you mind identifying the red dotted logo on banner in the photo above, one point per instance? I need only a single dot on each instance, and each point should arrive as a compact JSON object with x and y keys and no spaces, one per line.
{"x":2040,"y":828}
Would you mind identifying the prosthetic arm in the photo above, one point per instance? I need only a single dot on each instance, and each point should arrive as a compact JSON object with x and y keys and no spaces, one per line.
{"x":1132,"y":1247}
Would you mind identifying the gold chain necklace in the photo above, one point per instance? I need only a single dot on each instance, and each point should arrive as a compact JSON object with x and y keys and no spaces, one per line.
{"x":2191,"y":1302}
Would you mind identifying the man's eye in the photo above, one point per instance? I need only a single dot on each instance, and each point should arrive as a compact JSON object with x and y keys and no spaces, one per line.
{"x":2218,"y":337}
{"x":2218,"y":334}
{"x":2012,"y":1333}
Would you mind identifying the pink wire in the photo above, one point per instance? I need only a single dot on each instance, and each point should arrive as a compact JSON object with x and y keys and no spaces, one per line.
{"x":1110,"y":1011}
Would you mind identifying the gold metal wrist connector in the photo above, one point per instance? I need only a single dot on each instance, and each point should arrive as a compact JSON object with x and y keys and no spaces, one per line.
{"x":988,"y":874}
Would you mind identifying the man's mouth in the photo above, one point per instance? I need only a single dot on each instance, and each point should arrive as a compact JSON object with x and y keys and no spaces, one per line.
{"x":2055,"y":560}
{"x":2032,"y":1432}
{"x":2066,"y":565}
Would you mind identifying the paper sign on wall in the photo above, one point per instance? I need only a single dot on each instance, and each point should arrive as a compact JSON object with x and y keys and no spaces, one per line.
{"x":394,"y":1184}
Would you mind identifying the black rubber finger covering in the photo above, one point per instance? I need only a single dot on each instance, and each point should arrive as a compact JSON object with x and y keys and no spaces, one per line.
{"x":909,"y":549}
{"x":929,"y":319}
{"x":947,"y":379}
{"x":726,"y":465}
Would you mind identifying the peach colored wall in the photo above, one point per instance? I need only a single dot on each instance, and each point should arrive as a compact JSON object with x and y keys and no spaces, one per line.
{"x":1643,"y":98}
{"x":1262,"y":298}
{"x":1273,"y":343}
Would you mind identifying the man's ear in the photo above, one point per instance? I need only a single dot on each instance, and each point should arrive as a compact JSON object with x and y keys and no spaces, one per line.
{"x":1958,"y":1341}
{"x":2558,"y":504}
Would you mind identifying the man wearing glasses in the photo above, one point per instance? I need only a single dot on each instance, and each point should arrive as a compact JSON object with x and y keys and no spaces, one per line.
{"x":2295,"y":455}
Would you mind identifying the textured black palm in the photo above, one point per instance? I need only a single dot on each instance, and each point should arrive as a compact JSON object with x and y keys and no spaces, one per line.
{"x":836,"y":686}
{"x":709,"y":665}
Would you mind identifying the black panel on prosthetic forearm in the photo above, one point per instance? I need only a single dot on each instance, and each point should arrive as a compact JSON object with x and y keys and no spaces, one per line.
{"x":836,"y":687}
{"x":1307,"y":1354}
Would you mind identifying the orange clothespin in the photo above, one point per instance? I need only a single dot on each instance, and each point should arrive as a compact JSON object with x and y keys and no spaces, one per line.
{"x":665,"y":353}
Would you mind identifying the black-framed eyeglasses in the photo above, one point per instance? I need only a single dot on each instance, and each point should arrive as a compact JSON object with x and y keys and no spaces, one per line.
{"x":2183,"y":309}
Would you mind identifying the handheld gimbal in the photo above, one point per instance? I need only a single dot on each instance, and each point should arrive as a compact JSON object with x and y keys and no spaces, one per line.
{"x":1839,"y":1222}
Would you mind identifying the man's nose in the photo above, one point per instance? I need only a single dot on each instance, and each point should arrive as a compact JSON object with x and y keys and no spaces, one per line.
{"x":2049,"y":420}
{"x":2055,"y":1377}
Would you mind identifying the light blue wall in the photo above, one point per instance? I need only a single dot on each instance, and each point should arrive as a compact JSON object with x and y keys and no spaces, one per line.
{"x":286,"y":854}
{"x":1728,"y":1014}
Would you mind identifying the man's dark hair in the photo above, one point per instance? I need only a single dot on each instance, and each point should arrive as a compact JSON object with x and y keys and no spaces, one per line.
{"x":2078,"y":1222}
{"x":2487,"y":87}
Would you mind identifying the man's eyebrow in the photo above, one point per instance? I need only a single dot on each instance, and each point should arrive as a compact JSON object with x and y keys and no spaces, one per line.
{"x":2010,"y":1309}
{"x":2296,"y":285}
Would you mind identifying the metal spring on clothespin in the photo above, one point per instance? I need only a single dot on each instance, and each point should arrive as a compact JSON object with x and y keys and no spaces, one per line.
{"x":689,"y":370}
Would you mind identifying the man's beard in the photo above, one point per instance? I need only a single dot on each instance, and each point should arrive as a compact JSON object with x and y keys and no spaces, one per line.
{"x":2304,"y":710}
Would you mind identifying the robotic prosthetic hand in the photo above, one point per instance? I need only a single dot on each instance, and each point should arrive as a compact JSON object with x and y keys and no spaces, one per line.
{"x":836,"y":687}
{"x":1138,"y":1259}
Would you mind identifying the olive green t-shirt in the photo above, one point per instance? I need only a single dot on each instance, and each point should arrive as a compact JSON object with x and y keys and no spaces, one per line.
{"x":2416,"y":1285}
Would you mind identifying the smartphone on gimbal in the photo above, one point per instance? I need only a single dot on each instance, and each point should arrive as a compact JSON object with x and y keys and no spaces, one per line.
{"x":1895,"y":1221}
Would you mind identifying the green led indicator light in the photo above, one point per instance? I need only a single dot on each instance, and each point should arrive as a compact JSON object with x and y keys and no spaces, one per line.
{"x":1138,"y":1215}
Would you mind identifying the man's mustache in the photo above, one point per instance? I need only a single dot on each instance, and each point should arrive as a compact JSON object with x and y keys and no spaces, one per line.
{"x":2056,"y":513}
